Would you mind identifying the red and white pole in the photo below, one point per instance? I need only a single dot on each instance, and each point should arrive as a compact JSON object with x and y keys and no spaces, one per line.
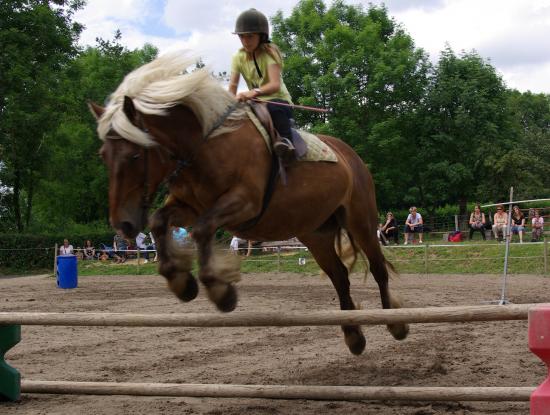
{"x":539,"y":343}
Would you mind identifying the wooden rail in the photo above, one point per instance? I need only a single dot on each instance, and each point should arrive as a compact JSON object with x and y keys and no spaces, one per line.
{"x":330,"y":393}
{"x":264,"y":319}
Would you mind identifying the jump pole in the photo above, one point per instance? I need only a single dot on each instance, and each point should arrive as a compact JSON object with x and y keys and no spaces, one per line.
{"x":275,"y":319}
{"x":311,"y":392}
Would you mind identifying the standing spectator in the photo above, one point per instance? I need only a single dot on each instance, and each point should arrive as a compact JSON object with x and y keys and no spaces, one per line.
{"x":477,"y":222}
{"x":389,"y":229}
{"x":120,"y":246}
{"x":500,"y":223}
{"x":66,"y":248}
{"x":537,"y":224}
{"x":518,"y":223}
{"x":234,"y":245}
{"x":414,"y":224}
{"x":89,"y":250}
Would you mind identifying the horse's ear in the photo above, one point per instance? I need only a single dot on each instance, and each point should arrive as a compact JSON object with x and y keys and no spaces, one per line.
{"x":96,"y":110}
{"x":129,"y":108}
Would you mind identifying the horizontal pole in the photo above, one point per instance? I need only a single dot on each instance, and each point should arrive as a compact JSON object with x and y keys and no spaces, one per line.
{"x":326,"y":393}
{"x":516,"y":201}
{"x":271,"y":319}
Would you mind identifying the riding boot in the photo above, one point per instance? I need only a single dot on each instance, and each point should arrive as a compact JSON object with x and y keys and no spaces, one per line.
{"x":283,"y":148}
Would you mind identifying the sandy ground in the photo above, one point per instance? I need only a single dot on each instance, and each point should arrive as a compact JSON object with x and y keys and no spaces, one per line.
{"x":465,"y":354}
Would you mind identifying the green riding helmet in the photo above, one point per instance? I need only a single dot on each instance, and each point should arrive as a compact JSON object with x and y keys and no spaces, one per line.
{"x":252,"y":21}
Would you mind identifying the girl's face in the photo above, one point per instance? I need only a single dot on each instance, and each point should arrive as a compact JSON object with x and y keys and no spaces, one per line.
{"x":250,"y":41}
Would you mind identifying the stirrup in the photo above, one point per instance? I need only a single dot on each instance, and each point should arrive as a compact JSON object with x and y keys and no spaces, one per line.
{"x":284,"y":148}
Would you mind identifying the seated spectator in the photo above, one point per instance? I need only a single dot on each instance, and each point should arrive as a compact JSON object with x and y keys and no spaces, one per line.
{"x":89,"y":250}
{"x":518,"y":223}
{"x":537,"y":224}
{"x":103,"y":256}
{"x":477,"y":222}
{"x":142,"y":245}
{"x":500,"y":223}
{"x":120,"y":246}
{"x":389,"y":229}
{"x":66,"y":248}
{"x":413,"y":224}
{"x":153,"y":246}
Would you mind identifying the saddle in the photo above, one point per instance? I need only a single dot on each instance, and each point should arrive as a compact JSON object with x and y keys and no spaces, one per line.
{"x":261,"y":112}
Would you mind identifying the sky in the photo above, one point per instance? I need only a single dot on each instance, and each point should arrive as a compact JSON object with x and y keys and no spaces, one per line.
{"x":512,"y":34}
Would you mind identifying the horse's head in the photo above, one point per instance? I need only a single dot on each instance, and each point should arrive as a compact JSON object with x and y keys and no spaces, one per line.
{"x":135,"y":172}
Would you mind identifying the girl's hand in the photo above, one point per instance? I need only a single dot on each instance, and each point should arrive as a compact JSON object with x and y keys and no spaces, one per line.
{"x":246,"y":95}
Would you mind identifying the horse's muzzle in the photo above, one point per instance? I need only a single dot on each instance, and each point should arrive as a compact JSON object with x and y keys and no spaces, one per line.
{"x":129,"y":229}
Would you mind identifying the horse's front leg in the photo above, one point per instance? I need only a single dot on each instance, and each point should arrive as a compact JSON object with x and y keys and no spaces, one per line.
{"x":219,"y":270}
{"x":175,"y":262}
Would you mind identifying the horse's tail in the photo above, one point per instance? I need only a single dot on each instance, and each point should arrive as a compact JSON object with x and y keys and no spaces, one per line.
{"x":348,"y":251}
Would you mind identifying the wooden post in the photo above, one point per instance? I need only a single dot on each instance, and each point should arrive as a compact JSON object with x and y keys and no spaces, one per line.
{"x":539,"y":343}
{"x":426,"y":259}
{"x":278,"y":259}
{"x":138,"y":255}
{"x":55,"y":260}
{"x":545,"y":253}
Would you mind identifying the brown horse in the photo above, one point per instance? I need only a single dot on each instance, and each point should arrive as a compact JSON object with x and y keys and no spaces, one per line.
{"x":164,"y":124}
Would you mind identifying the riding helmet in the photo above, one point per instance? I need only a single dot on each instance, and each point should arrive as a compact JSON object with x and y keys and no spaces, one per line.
{"x":252,"y":21}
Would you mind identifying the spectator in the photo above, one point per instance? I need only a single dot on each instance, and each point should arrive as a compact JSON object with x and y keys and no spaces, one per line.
{"x":153,"y":246}
{"x":89,"y":250}
{"x":103,"y":256}
{"x":414,"y":224}
{"x":234,"y":245}
{"x":180,"y":236}
{"x":141,"y":244}
{"x":500,"y":223}
{"x":120,"y":246}
{"x":66,"y":248}
{"x":518,"y":223}
{"x":537,"y":224}
{"x":389,"y":229}
{"x":477,"y":222}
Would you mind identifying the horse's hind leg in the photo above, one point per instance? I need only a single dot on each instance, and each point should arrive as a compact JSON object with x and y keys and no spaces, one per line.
{"x":365,"y":237}
{"x":322,"y":248}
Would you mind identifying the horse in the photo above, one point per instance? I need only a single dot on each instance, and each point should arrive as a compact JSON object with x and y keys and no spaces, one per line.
{"x":168,"y":124}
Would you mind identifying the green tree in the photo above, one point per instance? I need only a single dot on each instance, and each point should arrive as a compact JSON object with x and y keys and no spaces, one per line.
{"x":465,"y":129}
{"x":74,"y":188}
{"x":366,"y":69}
{"x":37,"y":40}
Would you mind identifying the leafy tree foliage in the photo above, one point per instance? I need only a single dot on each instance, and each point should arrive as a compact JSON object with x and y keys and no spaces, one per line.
{"x":465,"y":129}
{"x":37,"y":42}
{"x":365,"y":68}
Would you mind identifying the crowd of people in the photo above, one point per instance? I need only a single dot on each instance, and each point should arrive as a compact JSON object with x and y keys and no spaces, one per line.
{"x":122,"y":248}
{"x":478,"y":222}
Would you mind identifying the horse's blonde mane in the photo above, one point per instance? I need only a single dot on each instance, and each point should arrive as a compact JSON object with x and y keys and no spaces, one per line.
{"x":162,"y":84}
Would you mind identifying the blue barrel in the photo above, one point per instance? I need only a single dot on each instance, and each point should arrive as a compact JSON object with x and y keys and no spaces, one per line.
{"x":67,"y":273}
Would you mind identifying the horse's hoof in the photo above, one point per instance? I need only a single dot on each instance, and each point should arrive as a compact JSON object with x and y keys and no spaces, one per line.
{"x":185,"y":288}
{"x":355,"y":340}
{"x":224,"y":296}
{"x":399,"y":331}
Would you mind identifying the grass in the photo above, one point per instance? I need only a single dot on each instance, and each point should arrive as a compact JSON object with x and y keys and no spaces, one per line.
{"x":442,"y":258}
{"x":479,"y":257}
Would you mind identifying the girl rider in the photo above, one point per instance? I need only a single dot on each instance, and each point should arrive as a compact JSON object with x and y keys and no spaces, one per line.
{"x":260,"y":63}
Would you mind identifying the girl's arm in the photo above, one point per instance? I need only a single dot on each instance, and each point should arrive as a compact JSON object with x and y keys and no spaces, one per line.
{"x":273,"y":86}
{"x":234,"y":82}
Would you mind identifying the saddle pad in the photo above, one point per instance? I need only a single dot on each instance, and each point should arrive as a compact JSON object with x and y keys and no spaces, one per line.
{"x":316,"y":149}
